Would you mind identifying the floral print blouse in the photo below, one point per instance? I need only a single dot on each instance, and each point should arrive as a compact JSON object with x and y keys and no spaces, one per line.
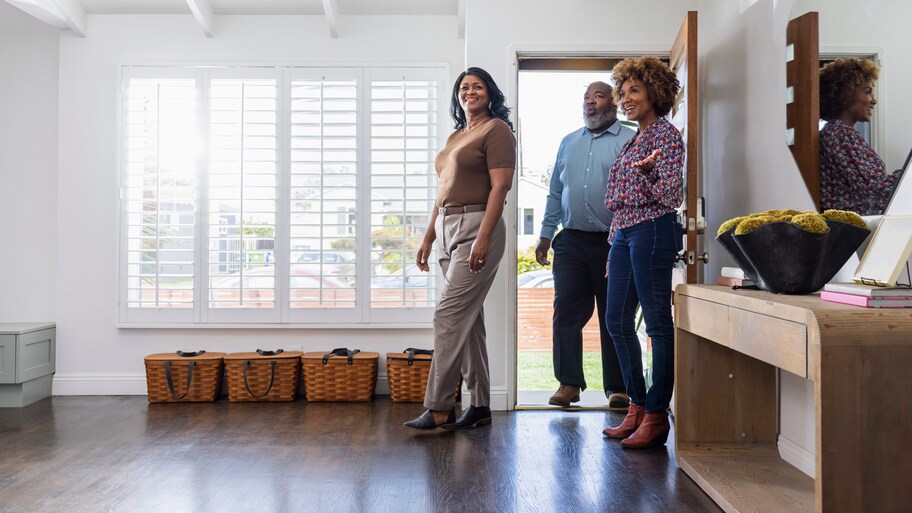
{"x":852,"y":176}
{"x":635,"y":197}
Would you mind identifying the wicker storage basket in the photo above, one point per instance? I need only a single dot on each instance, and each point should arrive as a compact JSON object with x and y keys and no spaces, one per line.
{"x":263,"y":375}
{"x":407,"y":376}
{"x":178,"y":377}
{"x":330,"y":377}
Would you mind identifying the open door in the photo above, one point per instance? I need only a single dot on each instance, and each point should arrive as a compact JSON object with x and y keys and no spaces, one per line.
{"x":685,"y":115}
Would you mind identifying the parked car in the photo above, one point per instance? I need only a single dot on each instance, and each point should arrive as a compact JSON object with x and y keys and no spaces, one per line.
{"x":264,"y":278}
{"x":540,"y":279}
{"x":326,"y":257}
{"x":414,"y":278}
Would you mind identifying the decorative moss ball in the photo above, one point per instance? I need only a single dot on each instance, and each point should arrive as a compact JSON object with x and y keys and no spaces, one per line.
{"x":811,"y":222}
{"x":752,"y":223}
{"x":779,"y":213}
{"x":845,"y":216}
{"x":728,"y":225}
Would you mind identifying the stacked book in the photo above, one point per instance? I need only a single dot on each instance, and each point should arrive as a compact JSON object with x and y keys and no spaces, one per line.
{"x":733,"y":277}
{"x":869,"y":296}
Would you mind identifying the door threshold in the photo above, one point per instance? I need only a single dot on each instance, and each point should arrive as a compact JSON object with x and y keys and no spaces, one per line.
{"x":590,"y":400}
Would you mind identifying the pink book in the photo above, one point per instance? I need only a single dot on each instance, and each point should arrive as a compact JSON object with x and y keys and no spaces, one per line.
{"x":866,"y":301}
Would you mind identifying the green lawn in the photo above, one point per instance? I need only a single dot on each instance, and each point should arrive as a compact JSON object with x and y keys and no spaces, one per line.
{"x":535,"y":370}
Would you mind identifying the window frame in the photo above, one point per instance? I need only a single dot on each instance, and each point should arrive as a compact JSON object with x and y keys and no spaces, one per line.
{"x":201,"y":315}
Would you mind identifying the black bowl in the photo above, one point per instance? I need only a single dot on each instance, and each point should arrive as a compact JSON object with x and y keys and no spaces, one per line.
{"x":726,"y":239}
{"x":783,"y":258}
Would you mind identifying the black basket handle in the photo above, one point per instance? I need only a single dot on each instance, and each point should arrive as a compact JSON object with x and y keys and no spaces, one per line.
{"x":190,"y":354}
{"x":272,"y":366}
{"x":342,"y":351}
{"x":411,"y":351}
{"x":263,"y":352}
{"x":171,"y":382}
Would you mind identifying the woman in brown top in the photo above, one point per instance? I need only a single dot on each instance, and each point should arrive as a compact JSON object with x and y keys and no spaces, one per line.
{"x":475,"y":171}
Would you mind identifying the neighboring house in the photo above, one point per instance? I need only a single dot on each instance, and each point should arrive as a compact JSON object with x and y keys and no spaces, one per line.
{"x":531,"y":197}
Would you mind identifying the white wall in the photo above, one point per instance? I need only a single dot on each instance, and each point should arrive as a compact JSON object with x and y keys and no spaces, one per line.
{"x":93,"y":356}
{"x":28,"y":167}
{"x":747,"y":166}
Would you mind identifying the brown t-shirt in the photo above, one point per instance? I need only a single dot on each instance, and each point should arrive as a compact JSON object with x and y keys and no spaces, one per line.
{"x":462,"y":165}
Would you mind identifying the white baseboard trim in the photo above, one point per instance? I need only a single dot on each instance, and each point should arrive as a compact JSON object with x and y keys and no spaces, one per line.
{"x":499,"y":399}
{"x":90,"y":383}
{"x":797,"y":456}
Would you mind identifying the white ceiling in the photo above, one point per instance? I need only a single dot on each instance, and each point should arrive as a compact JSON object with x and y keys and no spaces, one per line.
{"x":272,"y":6}
{"x":71,"y":14}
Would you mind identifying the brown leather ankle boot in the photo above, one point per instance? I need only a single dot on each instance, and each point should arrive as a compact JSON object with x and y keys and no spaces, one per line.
{"x":652,"y":432}
{"x":629,"y":425}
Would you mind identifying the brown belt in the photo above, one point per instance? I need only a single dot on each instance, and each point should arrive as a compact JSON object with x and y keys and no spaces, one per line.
{"x":464,"y":209}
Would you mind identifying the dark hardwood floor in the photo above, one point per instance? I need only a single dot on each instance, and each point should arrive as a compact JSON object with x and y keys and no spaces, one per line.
{"x":120,"y":454}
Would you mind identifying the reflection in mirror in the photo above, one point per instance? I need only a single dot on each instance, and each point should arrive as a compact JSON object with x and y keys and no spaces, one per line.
{"x":852,"y":175}
{"x":868,"y":30}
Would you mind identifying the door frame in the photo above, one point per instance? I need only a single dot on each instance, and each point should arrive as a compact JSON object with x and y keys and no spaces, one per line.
{"x":544,"y":51}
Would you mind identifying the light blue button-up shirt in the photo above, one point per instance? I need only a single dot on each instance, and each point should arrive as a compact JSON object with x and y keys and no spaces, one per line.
{"x":576,"y":199}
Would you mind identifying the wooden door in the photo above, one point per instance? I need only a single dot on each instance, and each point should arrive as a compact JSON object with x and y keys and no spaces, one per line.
{"x":685,"y":115}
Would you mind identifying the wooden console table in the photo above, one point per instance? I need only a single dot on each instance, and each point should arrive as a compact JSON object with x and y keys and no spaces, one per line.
{"x":728,"y":345}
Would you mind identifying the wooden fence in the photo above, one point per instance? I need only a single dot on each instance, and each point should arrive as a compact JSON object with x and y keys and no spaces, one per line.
{"x":535,"y":311}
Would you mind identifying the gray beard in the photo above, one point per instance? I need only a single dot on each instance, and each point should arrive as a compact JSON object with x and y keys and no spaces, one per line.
{"x":597,"y":120}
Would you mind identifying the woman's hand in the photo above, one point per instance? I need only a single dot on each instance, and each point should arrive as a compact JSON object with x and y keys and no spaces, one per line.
{"x":648,"y":164}
{"x":424,"y":252}
{"x":478,"y":254}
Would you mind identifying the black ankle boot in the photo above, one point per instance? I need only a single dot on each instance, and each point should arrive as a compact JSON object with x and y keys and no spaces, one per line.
{"x":473,"y":416}
{"x":426,"y":420}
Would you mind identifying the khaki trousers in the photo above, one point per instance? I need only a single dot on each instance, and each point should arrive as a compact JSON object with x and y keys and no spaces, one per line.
{"x":459,"y":331}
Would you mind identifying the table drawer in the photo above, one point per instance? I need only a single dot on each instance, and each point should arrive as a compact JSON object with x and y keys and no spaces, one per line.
{"x":769,"y":339}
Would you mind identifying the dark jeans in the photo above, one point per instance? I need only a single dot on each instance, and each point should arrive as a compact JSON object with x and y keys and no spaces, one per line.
{"x":639,"y":272}
{"x":579,"y":281}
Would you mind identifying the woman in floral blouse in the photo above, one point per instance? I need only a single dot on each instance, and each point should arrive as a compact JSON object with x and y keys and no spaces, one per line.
{"x":645,"y":186}
{"x":852,"y":176}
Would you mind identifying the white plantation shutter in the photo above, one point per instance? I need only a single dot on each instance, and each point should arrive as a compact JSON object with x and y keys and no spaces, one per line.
{"x":159,"y":190}
{"x":323,"y":201}
{"x":276,"y":195}
{"x":242,"y":189}
{"x":403,"y":184}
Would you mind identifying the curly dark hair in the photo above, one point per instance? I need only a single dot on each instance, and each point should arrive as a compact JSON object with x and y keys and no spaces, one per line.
{"x":838,"y":82}
{"x":661,"y":83}
{"x":498,"y":107}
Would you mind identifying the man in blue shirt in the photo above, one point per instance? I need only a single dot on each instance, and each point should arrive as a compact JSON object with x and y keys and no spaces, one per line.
{"x":576,"y":202}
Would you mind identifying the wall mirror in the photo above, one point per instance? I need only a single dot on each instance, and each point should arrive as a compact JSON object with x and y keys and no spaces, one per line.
{"x":866,"y":29}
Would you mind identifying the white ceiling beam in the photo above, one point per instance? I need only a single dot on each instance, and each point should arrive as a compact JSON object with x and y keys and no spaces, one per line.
{"x":460,"y":30}
{"x":332,"y":17}
{"x":62,"y":14}
{"x":202,"y":11}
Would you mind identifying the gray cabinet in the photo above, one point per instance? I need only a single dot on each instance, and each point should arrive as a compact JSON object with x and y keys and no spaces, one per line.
{"x":27,"y":362}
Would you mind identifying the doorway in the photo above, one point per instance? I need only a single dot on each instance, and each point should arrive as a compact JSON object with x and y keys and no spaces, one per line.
{"x":549,"y":106}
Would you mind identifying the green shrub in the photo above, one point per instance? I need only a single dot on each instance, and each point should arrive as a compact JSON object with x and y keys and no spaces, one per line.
{"x":525,"y":261}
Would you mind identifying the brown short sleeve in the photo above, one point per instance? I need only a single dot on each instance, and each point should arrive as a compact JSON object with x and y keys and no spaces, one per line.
{"x":500,"y":147}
